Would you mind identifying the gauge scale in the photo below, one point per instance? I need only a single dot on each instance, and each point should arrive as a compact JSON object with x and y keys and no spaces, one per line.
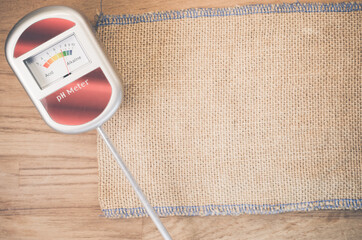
{"x":61,"y":65}
{"x":57,"y":61}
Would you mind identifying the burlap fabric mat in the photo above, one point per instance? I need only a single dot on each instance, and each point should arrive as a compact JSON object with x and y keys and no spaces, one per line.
{"x":254,"y":109}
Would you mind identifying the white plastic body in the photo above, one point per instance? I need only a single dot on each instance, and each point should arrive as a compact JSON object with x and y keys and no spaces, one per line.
{"x":95,"y":52}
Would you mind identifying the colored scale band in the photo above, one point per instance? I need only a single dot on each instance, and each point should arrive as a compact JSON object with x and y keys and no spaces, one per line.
{"x":56,"y":57}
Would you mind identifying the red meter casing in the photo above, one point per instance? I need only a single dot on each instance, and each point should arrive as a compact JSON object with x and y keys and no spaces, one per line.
{"x":64,"y":69}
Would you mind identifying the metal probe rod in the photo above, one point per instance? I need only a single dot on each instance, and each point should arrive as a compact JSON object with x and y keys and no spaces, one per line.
{"x":134,"y":184}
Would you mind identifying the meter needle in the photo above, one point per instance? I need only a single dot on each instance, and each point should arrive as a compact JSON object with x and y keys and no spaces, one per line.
{"x":65,"y":62}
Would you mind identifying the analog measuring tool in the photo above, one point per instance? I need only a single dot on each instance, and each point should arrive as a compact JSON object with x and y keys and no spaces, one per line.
{"x":64,"y":70}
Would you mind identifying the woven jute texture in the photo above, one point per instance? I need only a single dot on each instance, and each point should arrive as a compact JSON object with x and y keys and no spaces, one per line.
{"x":252,"y":109}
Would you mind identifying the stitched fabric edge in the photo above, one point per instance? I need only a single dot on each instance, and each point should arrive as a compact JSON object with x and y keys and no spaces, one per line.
{"x":297,"y":7}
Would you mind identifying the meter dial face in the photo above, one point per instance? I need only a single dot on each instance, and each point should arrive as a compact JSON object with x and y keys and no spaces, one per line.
{"x":57,"y":61}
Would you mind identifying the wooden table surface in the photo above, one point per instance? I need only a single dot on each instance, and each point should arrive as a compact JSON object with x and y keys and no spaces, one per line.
{"x":48,"y":180}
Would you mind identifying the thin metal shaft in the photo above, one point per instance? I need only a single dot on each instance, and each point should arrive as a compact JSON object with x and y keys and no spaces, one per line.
{"x":134,"y":184}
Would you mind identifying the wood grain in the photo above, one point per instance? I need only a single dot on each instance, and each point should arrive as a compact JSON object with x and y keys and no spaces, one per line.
{"x":48,"y":181}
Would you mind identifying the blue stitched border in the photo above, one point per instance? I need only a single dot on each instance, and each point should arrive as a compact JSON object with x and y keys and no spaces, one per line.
{"x":214,"y":210}
{"x":296,"y":7}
